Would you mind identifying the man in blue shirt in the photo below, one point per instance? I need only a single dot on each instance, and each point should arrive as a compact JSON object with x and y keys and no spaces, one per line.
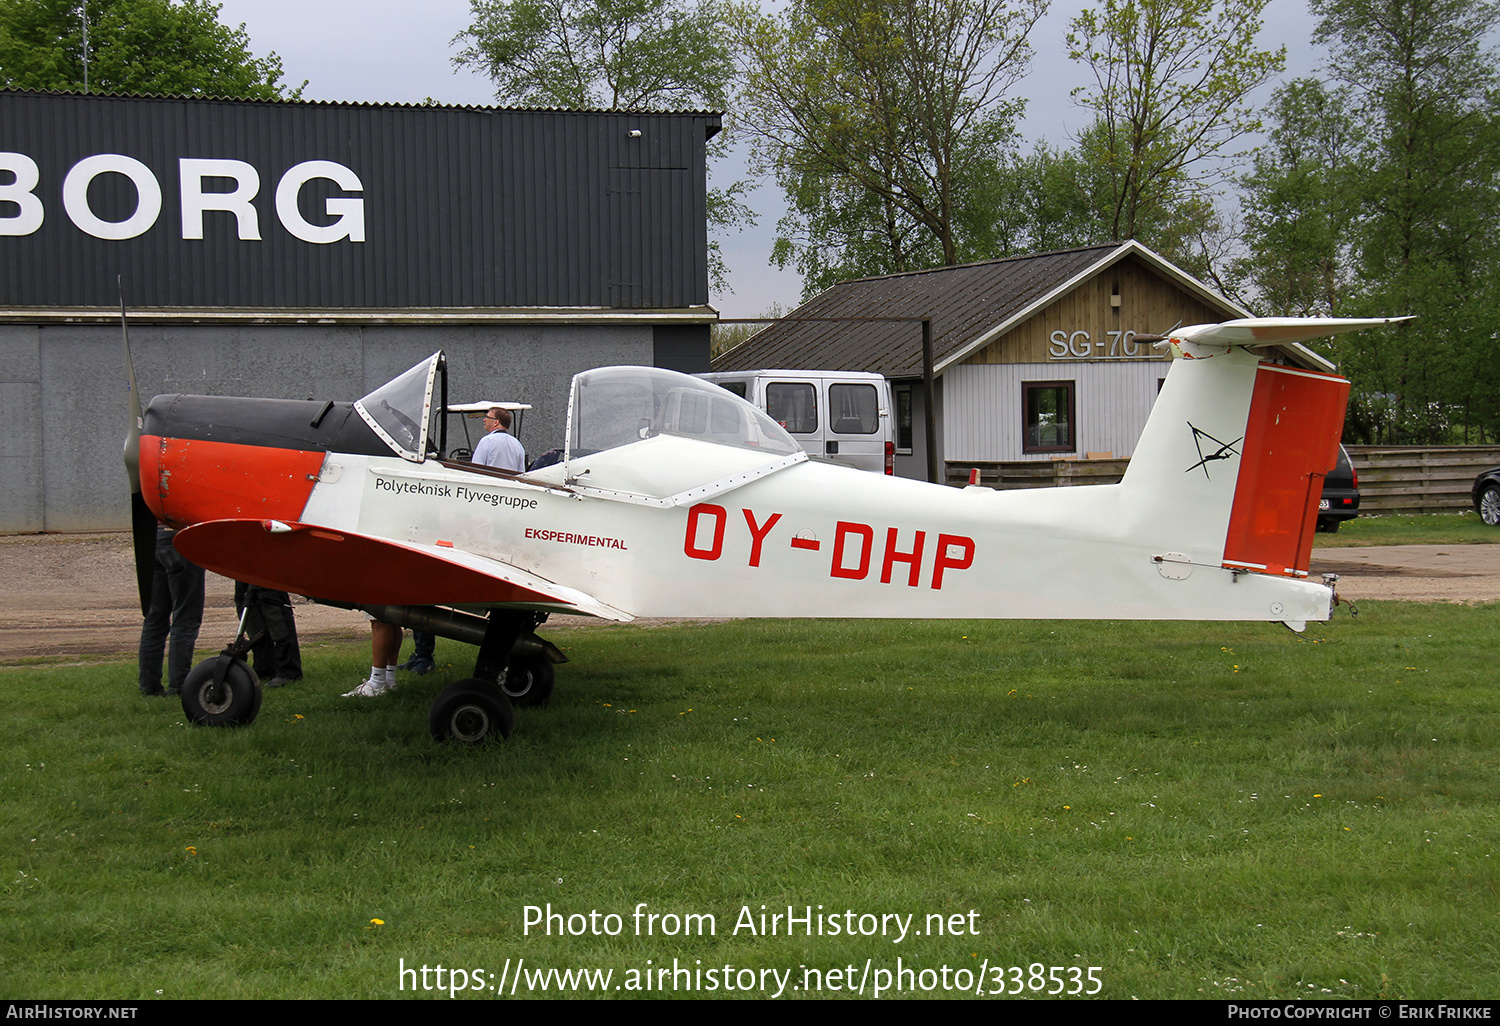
{"x":500,"y":448}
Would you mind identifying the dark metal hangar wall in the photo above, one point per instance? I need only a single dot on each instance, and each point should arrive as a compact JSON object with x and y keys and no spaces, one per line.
{"x":297,"y":250}
{"x":261,"y":204}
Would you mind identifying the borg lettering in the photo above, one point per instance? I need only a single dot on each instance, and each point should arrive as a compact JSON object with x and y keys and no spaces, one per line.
{"x":347,"y":212}
{"x":853,"y":551}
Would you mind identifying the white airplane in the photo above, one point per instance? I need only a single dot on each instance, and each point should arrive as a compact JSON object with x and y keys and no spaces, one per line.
{"x":676,"y":498}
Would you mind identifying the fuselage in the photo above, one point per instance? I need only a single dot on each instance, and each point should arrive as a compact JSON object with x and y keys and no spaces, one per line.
{"x":664,"y":523}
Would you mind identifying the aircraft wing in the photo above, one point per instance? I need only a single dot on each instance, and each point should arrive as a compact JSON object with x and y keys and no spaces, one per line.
{"x":342,"y":566}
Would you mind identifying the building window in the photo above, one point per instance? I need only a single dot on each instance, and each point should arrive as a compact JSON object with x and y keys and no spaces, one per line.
{"x":1049,"y":423}
{"x":903,"y":419}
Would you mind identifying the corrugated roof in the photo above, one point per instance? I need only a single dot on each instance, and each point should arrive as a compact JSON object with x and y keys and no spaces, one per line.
{"x":374,"y":104}
{"x":968,"y":305}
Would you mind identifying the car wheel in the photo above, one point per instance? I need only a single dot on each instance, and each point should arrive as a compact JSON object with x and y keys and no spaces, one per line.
{"x":1489,"y":505}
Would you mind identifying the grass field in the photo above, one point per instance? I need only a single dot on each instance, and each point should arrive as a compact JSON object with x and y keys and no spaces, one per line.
{"x":1411,"y":529}
{"x":1198,"y":810}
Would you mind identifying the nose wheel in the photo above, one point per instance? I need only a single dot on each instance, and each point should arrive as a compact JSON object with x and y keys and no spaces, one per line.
{"x":221,"y":692}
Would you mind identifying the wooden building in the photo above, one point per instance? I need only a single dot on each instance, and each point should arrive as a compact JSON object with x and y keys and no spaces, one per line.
{"x":1035,"y":357}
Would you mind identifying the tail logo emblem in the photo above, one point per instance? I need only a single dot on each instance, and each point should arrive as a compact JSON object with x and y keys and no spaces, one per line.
{"x":1223,"y":452}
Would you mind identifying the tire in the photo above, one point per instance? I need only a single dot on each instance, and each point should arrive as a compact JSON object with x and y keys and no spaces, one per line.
{"x":238,"y":703}
{"x":1328,"y":525}
{"x":1489,"y":505}
{"x":471,"y":712}
{"x":529,"y":683}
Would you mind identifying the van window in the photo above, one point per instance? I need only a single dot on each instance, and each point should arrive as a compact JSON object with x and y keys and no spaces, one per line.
{"x":701,"y":414}
{"x":792,"y":405}
{"x":737,"y":387}
{"x":854,"y":409}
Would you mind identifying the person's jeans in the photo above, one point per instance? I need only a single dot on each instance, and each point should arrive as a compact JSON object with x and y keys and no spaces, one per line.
{"x":176,"y":614}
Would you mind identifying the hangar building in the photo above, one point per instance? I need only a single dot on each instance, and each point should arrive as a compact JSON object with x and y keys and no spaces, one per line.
{"x":315,"y":250}
{"x":1034,"y":356}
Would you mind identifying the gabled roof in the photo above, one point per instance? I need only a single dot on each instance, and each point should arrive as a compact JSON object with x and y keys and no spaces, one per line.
{"x":970,"y":305}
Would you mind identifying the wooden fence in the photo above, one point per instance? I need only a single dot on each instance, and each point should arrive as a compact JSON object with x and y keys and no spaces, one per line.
{"x":1392,"y":479}
{"x":1040,"y":473}
{"x":1417,"y":478}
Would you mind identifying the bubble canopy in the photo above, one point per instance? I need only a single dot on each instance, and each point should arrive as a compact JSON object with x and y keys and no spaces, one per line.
{"x":614,"y":406}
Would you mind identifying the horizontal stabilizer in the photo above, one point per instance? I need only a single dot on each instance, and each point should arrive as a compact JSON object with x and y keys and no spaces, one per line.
{"x":341,"y":566}
{"x":1275,"y":331}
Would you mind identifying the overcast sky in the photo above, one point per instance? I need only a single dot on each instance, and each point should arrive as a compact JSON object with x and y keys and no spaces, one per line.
{"x":394,"y":51}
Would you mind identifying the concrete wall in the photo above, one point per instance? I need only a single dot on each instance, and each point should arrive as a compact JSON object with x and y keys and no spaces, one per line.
{"x":21,"y":400}
{"x":63,"y":390}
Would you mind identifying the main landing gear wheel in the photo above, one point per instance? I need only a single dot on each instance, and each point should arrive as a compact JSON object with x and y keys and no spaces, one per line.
{"x":234,"y":703}
{"x":471,"y":712}
{"x":1489,"y":505}
{"x":529,"y":682}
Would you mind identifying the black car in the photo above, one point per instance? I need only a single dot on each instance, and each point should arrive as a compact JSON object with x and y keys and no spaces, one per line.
{"x":1340,"y":500}
{"x":1487,"y":496}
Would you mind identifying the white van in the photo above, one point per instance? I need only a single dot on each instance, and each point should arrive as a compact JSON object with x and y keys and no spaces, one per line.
{"x":844,"y":416}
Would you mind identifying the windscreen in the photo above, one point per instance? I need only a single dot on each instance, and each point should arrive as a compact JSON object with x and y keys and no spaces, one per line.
{"x":400,"y":410}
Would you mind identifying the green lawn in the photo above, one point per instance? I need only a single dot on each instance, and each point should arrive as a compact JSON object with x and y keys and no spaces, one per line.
{"x":1195,"y":809}
{"x":1411,"y":529}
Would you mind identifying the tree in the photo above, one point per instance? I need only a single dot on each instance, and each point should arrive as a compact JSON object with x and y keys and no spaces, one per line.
{"x":1301,"y":201}
{"x":724,"y":337}
{"x":837,"y":228}
{"x":601,"y":54}
{"x":613,"y":55}
{"x":1425,"y":92}
{"x":134,"y":46}
{"x":1171,"y":84}
{"x":882,"y":120}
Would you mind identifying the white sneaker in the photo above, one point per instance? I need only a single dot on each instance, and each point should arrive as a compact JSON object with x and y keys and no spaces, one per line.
{"x":369,"y":689}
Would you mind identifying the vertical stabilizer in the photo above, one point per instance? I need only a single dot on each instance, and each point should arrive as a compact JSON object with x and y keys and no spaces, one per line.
{"x":1180,"y":485}
{"x":1230,"y":466}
